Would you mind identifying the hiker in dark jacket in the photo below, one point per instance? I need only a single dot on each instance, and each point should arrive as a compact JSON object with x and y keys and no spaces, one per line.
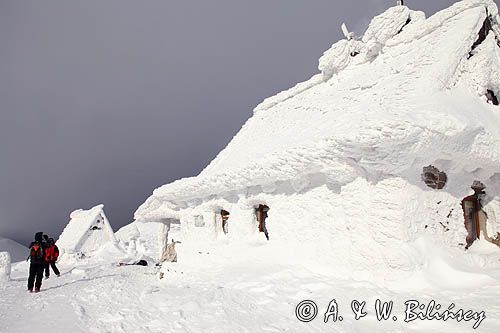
{"x":37,"y":262}
{"x":51,"y":255}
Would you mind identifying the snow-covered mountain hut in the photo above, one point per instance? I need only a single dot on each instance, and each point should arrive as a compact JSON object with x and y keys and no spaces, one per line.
{"x":339,"y":169}
{"x":86,"y":232}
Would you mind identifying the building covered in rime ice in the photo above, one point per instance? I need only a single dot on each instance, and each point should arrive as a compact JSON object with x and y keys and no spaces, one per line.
{"x":364,"y":166}
{"x":86,"y":232}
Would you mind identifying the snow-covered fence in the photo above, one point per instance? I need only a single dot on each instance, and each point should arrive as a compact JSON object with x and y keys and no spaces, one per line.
{"x":4,"y":266}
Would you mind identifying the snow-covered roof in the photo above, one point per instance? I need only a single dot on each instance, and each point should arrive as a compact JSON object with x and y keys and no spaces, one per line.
{"x":409,"y":93}
{"x":77,"y":230}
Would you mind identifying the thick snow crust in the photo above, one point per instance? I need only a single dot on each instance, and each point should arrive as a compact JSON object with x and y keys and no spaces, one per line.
{"x":17,"y":251}
{"x":411,"y":104}
{"x":339,"y":158}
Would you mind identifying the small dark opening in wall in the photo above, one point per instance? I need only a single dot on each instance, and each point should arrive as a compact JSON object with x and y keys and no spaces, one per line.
{"x":490,"y":95}
{"x":354,"y":53}
{"x":481,"y":36}
{"x":434,"y":178}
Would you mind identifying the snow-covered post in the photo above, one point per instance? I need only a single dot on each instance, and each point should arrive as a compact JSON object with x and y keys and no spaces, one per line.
{"x":133,"y":236}
{"x":4,"y":266}
{"x":163,"y":238}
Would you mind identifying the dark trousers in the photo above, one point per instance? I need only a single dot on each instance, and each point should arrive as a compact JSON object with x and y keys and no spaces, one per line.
{"x":36,"y":275}
{"x":265,"y":229}
{"x":54,"y":268}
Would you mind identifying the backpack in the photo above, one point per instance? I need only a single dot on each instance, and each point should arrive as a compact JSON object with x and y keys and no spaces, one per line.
{"x":50,"y":253}
{"x":36,"y":251}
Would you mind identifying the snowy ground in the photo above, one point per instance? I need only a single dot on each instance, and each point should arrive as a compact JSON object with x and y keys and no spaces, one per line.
{"x":219,"y":294}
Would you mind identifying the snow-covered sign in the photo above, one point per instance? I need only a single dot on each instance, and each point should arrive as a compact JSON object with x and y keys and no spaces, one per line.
{"x":87,"y":231}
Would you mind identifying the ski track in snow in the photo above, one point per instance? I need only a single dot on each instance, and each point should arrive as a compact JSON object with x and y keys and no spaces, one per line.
{"x":246,"y":297}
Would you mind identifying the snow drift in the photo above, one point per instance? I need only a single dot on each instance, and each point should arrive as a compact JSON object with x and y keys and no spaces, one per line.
{"x":338,"y":158}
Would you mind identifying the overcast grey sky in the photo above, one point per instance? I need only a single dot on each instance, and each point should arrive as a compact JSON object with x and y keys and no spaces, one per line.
{"x":102,"y":101}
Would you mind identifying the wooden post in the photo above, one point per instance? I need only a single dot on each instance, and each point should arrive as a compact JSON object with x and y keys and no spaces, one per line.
{"x":260,"y":217}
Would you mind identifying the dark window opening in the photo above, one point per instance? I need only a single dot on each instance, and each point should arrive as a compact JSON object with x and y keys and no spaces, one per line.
{"x":354,"y":53}
{"x":96,"y":228}
{"x":490,"y":95}
{"x":481,"y":36}
{"x":434,"y":178}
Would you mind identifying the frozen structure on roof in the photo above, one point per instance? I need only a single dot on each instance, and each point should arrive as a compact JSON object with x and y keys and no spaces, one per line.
{"x":86,"y":232}
{"x":338,"y":159}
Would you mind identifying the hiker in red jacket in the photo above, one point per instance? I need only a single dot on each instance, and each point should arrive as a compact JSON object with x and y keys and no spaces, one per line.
{"x":51,"y":255}
{"x":37,"y":262}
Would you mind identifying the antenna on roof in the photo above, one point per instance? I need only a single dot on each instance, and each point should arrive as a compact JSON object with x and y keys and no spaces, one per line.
{"x":347,"y":34}
{"x":400,"y":2}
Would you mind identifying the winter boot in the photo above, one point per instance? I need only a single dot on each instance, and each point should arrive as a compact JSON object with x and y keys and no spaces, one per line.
{"x":37,"y":290}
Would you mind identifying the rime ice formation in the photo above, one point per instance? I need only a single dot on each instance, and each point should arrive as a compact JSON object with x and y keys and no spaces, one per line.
{"x":338,"y":158}
{"x":148,"y":239}
{"x":86,"y":232}
{"x":5,"y":267}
